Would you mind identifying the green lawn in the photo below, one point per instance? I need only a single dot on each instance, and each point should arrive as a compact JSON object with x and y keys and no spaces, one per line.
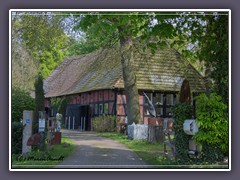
{"x":38,"y":159}
{"x":153,"y":154}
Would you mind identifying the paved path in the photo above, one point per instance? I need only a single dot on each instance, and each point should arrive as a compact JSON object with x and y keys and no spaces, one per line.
{"x":98,"y":152}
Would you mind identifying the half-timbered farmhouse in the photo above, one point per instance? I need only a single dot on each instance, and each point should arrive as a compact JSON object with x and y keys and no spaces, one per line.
{"x":95,"y":84}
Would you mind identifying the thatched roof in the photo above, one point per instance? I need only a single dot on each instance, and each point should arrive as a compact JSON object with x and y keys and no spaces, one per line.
{"x":163,"y":71}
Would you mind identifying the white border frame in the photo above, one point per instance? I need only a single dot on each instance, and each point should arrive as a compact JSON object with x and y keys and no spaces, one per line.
{"x":118,"y":10}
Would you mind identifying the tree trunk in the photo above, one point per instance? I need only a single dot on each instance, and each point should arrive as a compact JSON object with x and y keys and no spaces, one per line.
{"x":129,"y":77}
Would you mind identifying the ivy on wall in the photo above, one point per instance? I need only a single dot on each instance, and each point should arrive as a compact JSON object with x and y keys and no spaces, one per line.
{"x":181,"y":112}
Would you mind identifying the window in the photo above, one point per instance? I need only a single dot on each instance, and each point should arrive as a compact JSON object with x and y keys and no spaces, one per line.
{"x":100,"y":108}
{"x":177,"y":99}
{"x":159,"y":111}
{"x":163,"y":103}
{"x":96,"y":109}
{"x":169,"y":99}
{"x":159,"y":99}
{"x":146,"y":103}
{"x":106,"y":108}
{"x":158,"y":102}
{"x":169,"y":111}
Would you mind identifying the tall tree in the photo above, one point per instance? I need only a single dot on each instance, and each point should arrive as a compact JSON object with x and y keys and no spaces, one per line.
{"x":206,"y":36}
{"x":117,"y":28}
{"x":39,"y":100}
{"x":44,"y":38}
{"x":24,"y":68}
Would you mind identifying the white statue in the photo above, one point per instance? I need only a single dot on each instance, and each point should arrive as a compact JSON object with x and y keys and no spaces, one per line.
{"x":58,"y":126}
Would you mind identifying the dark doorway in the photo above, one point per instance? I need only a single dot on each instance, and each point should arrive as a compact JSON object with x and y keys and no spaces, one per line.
{"x":84,"y":118}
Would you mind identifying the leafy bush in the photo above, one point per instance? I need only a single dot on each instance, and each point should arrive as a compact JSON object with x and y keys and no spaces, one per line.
{"x":181,"y":112}
{"x":21,"y":101}
{"x":17,"y":130}
{"x":104,"y":123}
{"x":212,"y":118}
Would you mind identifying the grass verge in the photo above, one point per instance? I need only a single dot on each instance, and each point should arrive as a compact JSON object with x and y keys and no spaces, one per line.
{"x":153,"y":154}
{"x":44,"y":160}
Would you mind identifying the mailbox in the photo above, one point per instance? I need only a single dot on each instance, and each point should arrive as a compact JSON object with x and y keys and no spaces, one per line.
{"x":190,"y":126}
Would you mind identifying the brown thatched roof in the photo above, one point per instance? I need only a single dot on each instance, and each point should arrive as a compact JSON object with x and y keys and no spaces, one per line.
{"x":163,"y":71}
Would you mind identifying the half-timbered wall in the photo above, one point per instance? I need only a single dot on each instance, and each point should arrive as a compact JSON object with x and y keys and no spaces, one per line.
{"x":97,"y":103}
{"x":163,"y":103}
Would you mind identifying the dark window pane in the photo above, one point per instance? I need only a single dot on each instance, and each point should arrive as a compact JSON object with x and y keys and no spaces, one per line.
{"x":159,"y":99}
{"x":169,"y":111}
{"x":159,"y":111}
{"x":106,"y":108}
{"x":177,"y":99}
{"x":96,"y":109}
{"x":169,"y":99}
{"x":100,"y":108}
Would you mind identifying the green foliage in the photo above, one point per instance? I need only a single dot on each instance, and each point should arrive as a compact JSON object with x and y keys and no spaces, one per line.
{"x":21,"y":100}
{"x":212,"y":118}
{"x":109,"y":28}
{"x":181,"y":112}
{"x":39,"y":101}
{"x":104,"y":123}
{"x":16,"y":141}
{"x":212,"y":153}
{"x":44,"y":38}
{"x":60,"y":104}
{"x":215,"y":50}
{"x":205,"y":38}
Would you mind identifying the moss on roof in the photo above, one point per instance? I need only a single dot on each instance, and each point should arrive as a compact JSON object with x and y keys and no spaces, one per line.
{"x":163,"y":71}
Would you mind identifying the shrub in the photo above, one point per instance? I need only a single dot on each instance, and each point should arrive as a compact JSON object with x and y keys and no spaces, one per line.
{"x":181,"y":112}
{"x":21,"y":100}
{"x":104,"y":123}
{"x":212,"y":118}
{"x":17,"y":130}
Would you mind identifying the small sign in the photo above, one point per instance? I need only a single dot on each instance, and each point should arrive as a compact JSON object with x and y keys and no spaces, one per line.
{"x":27,"y":121}
{"x":41,"y":123}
